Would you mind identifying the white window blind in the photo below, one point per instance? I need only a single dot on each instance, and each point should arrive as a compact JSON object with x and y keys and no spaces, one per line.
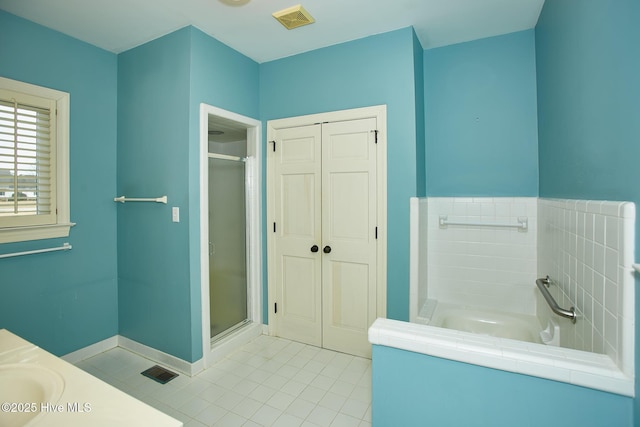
{"x":27,"y":160}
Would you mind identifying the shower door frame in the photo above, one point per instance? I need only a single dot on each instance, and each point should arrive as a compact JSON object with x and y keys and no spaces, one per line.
{"x":253,"y":185}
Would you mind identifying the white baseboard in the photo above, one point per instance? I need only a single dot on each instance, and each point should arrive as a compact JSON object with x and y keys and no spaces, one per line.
{"x":147,"y":352}
{"x":160,"y":357}
{"x":220,"y":351}
{"x":91,"y":350}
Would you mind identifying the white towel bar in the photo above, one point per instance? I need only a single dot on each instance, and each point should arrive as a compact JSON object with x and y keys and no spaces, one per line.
{"x":523,"y":223}
{"x":64,"y":247}
{"x":123,"y":199}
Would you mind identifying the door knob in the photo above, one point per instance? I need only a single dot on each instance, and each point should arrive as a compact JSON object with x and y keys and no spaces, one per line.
{"x":314,"y":248}
{"x":326,"y":249}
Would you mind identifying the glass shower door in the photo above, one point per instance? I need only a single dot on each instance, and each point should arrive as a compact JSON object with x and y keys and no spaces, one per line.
{"x":227,"y":245}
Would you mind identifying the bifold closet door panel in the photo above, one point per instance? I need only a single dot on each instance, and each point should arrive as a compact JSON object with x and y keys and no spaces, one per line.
{"x":297,"y":182}
{"x":325,"y":205}
{"x":349,"y":205}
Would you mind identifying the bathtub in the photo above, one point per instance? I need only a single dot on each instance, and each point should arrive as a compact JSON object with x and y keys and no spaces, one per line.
{"x":469,"y":325}
{"x":485,"y":322}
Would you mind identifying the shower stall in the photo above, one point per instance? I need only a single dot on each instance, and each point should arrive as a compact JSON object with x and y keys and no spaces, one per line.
{"x":230,"y":231}
{"x":227,"y":244}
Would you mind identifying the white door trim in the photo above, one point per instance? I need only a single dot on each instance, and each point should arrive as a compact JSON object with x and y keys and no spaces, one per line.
{"x":254,"y":222}
{"x":380,"y":113}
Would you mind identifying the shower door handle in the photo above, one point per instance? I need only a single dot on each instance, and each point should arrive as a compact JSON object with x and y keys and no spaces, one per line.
{"x":314,"y":248}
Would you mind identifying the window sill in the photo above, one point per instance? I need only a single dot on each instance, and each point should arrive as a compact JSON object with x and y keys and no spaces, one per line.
{"x":23,"y":234}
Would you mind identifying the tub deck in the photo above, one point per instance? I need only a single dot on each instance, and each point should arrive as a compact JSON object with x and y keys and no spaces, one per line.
{"x":596,"y":371}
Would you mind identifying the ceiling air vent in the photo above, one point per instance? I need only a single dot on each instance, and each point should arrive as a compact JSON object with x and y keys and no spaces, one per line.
{"x":294,"y":17}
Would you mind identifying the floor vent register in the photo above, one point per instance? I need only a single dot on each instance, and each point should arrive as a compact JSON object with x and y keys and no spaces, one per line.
{"x":159,"y":374}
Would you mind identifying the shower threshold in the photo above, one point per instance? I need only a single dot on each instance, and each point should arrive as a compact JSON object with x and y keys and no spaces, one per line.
{"x":230,"y":331}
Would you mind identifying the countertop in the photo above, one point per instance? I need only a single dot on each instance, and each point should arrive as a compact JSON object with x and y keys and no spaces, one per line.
{"x":85,"y":399}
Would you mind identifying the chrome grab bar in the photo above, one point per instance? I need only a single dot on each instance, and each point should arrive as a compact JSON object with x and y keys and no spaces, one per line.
{"x":543,"y":284}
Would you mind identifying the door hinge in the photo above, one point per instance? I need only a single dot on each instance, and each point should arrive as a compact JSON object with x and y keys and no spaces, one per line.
{"x":275,"y":308}
{"x":375,"y":133}
{"x":274,"y":145}
{"x":274,"y":227}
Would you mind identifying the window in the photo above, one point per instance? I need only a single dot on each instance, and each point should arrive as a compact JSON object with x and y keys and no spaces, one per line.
{"x":34,"y":176}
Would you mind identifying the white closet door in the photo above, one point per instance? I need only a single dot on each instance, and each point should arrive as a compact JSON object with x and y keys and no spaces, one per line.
{"x":349,"y":222}
{"x":297,"y":191}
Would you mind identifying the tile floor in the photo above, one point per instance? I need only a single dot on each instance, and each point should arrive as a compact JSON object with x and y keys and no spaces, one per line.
{"x":268,"y":382}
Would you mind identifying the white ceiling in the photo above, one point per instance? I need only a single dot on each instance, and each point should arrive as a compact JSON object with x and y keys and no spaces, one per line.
{"x":119,"y":25}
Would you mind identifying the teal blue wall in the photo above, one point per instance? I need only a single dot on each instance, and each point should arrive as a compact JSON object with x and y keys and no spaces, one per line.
{"x":589,"y":99}
{"x":222,"y":77}
{"x":370,"y":71}
{"x":160,"y":86}
{"x":418,"y":73}
{"x":154,"y":298}
{"x":411,"y":389}
{"x":589,"y":105}
{"x":64,"y":301}
{"x":481,"y":128}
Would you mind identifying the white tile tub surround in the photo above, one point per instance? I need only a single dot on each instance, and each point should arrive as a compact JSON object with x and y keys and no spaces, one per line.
{"x":592,"y":252}
{"x":491,"y":267}
{"x":587,"y":248}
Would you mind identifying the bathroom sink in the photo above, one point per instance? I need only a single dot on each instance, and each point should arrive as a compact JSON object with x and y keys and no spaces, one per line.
{"x":23,"y":389}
